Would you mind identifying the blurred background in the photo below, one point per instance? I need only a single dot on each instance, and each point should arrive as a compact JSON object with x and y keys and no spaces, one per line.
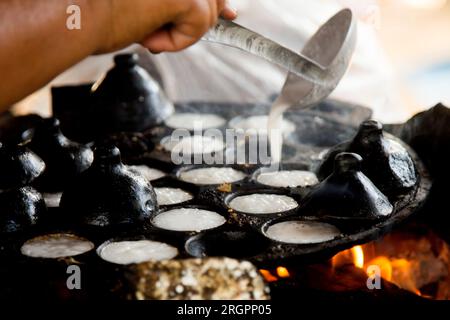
{"x":414,"y":35}
{"x":401,"y":65}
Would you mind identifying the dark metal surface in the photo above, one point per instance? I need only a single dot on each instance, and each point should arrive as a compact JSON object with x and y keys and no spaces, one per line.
{"x":317,"y":129}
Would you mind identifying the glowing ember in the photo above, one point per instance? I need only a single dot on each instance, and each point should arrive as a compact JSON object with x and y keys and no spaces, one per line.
{"x":268,"y":276}
{"x":354,"y":255}
{"x":410,"y":262}
{"x":385,"y":267}
{"x":282,"y":272}
{"x":397,"y":271}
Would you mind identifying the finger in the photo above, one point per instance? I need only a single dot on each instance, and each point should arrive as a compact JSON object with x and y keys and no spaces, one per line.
{"x":168,"y":40}
{"x":229,"y":12}
{"x":157,"y":42}
{"x":220,"y":6}
{"x":214,"y":12}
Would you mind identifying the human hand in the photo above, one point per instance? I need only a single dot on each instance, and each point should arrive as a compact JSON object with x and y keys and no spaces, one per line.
{"x":162,"y":25}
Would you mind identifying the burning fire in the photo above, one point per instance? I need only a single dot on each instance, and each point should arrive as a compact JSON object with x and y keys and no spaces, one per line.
{"x":417,"y":263}
{"x":354,"y":255}
{"x":281,"y":272}
{"x":408,"y":262}
{"x":397,"y":271}
{"x":268,"y":276}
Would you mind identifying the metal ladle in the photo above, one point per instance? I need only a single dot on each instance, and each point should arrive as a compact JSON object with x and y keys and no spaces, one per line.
{"x":314,"y":73}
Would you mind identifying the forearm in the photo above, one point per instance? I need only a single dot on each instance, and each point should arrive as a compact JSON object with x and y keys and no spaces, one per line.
{"x":36,"y":45}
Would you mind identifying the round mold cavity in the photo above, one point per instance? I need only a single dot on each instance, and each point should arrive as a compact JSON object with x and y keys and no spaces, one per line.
{"x":180,"y":219}
{"x":191,"y":146}
{"x":292,"y":176}
{"x":195,"y":121}
{"x":262,"y":203}
{"x":238,"y":243}
{"x":143,"y":248}
{"x":166,"y":196}
{"x":147,"y":160}
{"x":217,"y":175}
{"x":257,"y":125}
{"x":256,"y":219}
{"x":171,"y":182}
{"x":149,"y":173}
{"x":56,"y":246}
{"x":295,"y":231}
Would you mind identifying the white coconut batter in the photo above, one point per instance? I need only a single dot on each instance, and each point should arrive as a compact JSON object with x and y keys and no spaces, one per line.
{"x":56,"y":246}
{"x":128,"y":252}
{"x":302,"y":232}
{"x":275,"y":124}
{"x":193,"y":145}
{"x":260,"y":125}
{"x":52,"y":199}
{"x":263,"y":203}
{"x":171,"y":196}
{"x":192,"y":121}
{"x":288,"y":179}
{"x":150,"y":174}
{"x":188,"y":219}
{"x":212,"y":175}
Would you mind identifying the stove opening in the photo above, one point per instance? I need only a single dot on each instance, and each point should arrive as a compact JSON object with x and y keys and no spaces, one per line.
{"x":410,"y":261}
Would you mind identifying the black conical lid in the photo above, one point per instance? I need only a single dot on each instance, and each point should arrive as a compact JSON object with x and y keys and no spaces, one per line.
{"x":370,"y":132}
{"x":21,"y":209}
{"x":18,"y":129}
{"x":19,"y":166}
{"x":109,"y":195}
{"x":347,"y":193}
{"x":64,"y":159}
{"x":385,"y":161}
{"x":126,"y":81}
{"x":128,"y":99}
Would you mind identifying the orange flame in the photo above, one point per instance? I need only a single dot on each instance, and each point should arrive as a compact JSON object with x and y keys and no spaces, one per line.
{"x":397,"y":271}
{"x":403,"y":275}
{"x":385,"y":267}
{"x":353,"y":256}
{"x":268,"y":276}
{"x":358,"y":256}
{"x":283,"y":272}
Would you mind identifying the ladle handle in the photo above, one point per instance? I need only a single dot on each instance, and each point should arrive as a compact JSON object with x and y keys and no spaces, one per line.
{"x":233,"y":35}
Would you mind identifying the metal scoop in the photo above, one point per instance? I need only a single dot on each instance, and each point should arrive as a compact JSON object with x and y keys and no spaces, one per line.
{"x":314,"y":73}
